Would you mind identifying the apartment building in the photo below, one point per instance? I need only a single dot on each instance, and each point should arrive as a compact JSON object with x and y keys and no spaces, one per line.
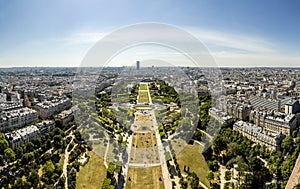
{"x":274,"y":121}
{"x":22,"y":136}
{"x":47,"y":109}
{"x":16,"y":118}
{"x":220,"y":115}
{"x":238,"y":108}
{"x":45,"y":126}
{"x":65,"y":116}
{"x":259,"y":135}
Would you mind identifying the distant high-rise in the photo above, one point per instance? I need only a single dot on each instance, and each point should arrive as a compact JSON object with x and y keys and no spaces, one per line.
{"x":137,"y":65}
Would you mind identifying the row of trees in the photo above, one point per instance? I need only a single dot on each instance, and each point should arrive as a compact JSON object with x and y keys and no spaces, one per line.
{"x":113,"y":174}
{"x":162,"y":92}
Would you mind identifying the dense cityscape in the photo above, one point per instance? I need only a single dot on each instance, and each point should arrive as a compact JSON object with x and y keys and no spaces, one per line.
{"x":149,"y":94}
{"x":55,"y":133}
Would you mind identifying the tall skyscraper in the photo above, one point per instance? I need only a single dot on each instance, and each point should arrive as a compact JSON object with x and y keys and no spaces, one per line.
{"x":137,"y":65}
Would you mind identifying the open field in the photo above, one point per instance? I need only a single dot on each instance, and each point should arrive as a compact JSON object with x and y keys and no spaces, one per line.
{"x":144,"y":148}
{"x":144,"y":140}
{"x":99,"y":147}
{"x":145,"y":178}
{"x":91,"y":176}
{"x":145,"y":156}
{"x":143,"y":122}
{"x":196,"y":162}
{"x":143,"y":87}
{"x":143,"y":97}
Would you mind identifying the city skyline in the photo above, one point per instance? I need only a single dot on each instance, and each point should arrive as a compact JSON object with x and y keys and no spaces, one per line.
{"x":237,"y":34}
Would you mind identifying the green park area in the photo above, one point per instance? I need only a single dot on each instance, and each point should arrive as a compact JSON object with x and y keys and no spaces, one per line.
{"x":92,"y":174}
{"x":143,"y":86}
{"x":145,"y":178}
{"x":195,"y":162}
{"x":143,"y":97}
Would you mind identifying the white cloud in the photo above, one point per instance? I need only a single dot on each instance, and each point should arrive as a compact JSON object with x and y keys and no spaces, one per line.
{"x":212,"y":38}
{"x":228,"y":48}
{"x":231,"y":59}
{"x":227,"y":40}
{"x":87,"y":38}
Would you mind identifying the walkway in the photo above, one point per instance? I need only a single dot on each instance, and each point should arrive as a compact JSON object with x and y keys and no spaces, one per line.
{"x":126,"y":158}
{"x":295,"y":176}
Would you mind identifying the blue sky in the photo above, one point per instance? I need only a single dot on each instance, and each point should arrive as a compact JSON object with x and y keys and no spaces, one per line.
{"x":237,"y":33}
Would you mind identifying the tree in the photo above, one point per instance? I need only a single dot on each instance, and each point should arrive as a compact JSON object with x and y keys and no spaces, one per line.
{"x":297,"y":186}
{"x":106,"y":183}
{"x":26,"y":158}
{"x":19,"y":152}
{"x":37,"y":142}
{"x":58,"y":123}
{"x":213,"y":165}
{"x":287,"y":143}
{"x":287,"y":167}
{"x":227,"y":175}
{"x":58,"y":141}
{"x":249,"y":181}
{"x":33,"y":178}
{"x":3,"y":143}
{"x":19,"y":183}
{"x":195,"y":181}
{"x":9,"y":155}
{"x":30,"y":147}
{"x":210,"y":175}
{"x":254,"y":163}
{"x":233,"y":149}
{"x":110,"y":170}
{"x":294,"y":133}
{"x":72,"y":178}
{"x":48,"y":168}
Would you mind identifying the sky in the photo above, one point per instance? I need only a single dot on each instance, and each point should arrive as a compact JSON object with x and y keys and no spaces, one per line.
{"x":236,"y":33}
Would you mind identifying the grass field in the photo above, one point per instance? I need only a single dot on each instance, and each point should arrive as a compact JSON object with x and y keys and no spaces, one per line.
{"x":91,"y":175}
{"x":143,"y":87}
{"x":143,"y":97}
{"x":144,"y":178}
{"x":99,"y":147}
{"x":196,"y":162}
{"x":144,"y":140}
{"x":144,"y":148}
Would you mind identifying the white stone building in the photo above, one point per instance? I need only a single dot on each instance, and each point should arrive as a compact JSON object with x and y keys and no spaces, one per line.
{"x":17,"y":118}
{"x":47,"y":109}
{"x":22,"y":136}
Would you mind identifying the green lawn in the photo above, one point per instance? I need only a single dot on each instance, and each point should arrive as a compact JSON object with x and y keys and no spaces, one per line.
{"x":91,"y":176}
{"x":143,"y":107}
{"x":144,"y":178}
{"x":196,"y":162}
{"x":143,"y":97}
{"x":143,"y":87}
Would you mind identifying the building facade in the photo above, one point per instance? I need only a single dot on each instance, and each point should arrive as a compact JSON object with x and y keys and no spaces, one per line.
{"x":276,"y":122}
{"x":259,"y":135}
{"x":22,"y":136}
{"x":47,"y":109}
{"x":17,"y":118}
